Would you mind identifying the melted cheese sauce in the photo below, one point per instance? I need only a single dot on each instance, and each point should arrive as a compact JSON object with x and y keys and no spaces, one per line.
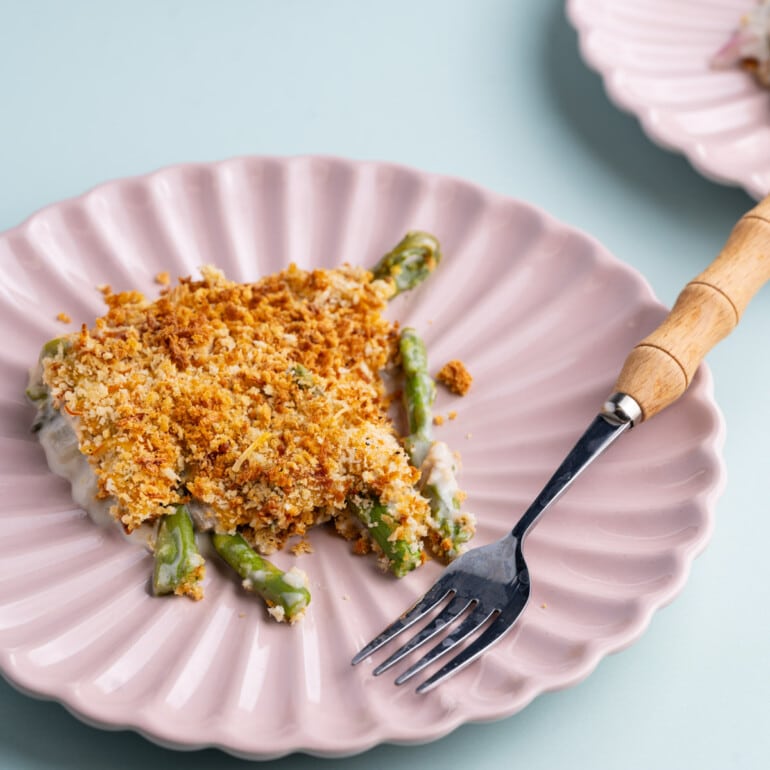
{"x":58,"y":439}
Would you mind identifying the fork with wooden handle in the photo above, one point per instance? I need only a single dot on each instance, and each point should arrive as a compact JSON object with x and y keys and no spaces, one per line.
{"x":483,"y":592}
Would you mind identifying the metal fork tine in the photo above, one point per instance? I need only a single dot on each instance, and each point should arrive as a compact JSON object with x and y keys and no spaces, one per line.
{"x":500,"y":626}
{"x":450,"y":613}
{"x":472,"y":623}
{"x":435,"y":594}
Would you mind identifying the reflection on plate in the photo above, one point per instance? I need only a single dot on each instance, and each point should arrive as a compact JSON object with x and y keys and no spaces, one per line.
{"x":654,"y":58}
{"x":541,"y":314}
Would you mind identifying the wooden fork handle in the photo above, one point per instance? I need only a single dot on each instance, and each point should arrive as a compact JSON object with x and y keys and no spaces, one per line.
{"x":660,"y":368}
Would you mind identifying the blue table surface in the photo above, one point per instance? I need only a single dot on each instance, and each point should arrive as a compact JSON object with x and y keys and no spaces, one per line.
{"x":493,"y":91}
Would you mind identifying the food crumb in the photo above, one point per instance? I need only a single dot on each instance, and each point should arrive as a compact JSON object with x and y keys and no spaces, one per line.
{"x":468,"y":435}
{"x":543,"y":606}
{"x":345,"y":597}
{"x":438,"y":419}
{"x":302,"y":547}
{"x":241,"y":614}
{"x":452,"y":415}
{"x":64,"y":318}
{"x":455,"y":376}
{"x":163,"y":278}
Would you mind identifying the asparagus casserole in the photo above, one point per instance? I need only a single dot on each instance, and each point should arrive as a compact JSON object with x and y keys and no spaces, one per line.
{"x":252,"y":412}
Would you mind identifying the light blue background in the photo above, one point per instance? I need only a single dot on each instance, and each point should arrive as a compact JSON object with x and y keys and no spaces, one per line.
{"x":490,"y":90}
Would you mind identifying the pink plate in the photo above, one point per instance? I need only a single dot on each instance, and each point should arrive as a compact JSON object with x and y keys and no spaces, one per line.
{"x":654,"y":57}
{"x":542,"y":316}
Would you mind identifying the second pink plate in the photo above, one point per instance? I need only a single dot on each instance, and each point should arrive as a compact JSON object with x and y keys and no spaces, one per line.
{"x":655,"y":59}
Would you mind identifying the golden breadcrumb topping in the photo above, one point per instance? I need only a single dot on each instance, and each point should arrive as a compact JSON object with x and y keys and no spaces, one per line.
{"x":303,"y":546}
{"x":262,"y":401}
{"x":64,"y":318}
{"x":192,"y":586}
{"x":456,"y":377}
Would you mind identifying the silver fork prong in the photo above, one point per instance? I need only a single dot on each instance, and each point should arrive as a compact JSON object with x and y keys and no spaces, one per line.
{"x":493,"y":633}
{"x":472,"y":623}
{"x":451,"y":612}
{"x":432,"y":598}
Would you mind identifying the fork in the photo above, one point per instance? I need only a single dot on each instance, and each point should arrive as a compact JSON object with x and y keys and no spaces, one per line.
{"x":483,"y":592}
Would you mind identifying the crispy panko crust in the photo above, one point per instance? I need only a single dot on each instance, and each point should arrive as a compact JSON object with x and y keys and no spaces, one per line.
{"x":262,"y":401}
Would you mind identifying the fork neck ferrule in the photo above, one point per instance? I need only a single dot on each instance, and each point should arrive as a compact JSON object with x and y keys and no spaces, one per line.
{"x":620,"y":408}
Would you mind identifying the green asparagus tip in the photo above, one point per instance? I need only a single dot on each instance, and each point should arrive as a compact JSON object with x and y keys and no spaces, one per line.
{"x":410,"y":262}
{"x":52,"y":347}
{"x":36,"y":392}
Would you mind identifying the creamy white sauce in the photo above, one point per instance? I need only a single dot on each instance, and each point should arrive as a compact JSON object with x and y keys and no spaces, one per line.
{"x":441,"y":472}
{"x":256,"y":577}
{"x":292,"y":598}
{"x":58,"y":439}
{"x":295,"y":578}
{"x":203,"y":516}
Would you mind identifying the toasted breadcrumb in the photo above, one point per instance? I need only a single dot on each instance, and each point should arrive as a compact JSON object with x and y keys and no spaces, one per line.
{"x":438,"y":419}
{"x":452,"y":415}
{"x":456,"y":377}
{"x":163,"y":278}
{"x":302,"y":547}
{"x":64,"y":318}
{"x":261,"y":401}
{"x":193,"y":585}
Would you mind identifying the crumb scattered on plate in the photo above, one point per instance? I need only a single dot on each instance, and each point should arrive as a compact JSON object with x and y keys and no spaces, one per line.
{"x":302,"y":547}
{"x":64,"y":318}
{"x":456,"y":377}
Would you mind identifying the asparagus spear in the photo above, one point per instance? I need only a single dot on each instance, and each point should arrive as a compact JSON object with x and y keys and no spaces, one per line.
{"x":402,"y":554}
{"x":404,"y":267}
{"x":450,"y":527}
{"x":178,"y":565}
{"x":52,"y":347}
{"x":410,"y":262}
{"x":285,"y":593}
{"x":419,"y":393}
{"x":37,"y":390}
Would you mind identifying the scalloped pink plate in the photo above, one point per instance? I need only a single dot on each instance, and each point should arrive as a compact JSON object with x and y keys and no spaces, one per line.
{"x":542,"y":316}
{"x":654,"y":57}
